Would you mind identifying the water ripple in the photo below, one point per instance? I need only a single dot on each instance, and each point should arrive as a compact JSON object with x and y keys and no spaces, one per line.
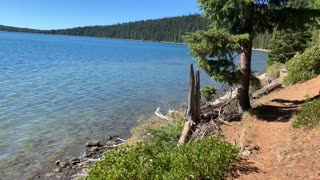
{"x":56,"y":92}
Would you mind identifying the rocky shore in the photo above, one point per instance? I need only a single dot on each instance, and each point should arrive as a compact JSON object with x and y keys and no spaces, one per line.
{"x":78,"y":167}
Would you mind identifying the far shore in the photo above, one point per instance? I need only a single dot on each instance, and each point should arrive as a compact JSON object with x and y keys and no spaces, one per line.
{"x":260,"y":49}
{"x":164,"y":42}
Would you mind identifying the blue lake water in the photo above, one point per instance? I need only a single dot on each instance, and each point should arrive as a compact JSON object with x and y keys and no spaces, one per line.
{"x":57,"y":92}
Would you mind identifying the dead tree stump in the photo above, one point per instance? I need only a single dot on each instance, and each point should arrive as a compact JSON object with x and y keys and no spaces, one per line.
{"x":193,"y":111}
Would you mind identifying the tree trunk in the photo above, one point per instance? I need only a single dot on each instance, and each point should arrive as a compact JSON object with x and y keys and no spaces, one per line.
{"x":245,"y":70}
{"x":197,"y":97}
{"x":190,"y":112}
{"x":245,"y":61}
{"x":193,"y":111}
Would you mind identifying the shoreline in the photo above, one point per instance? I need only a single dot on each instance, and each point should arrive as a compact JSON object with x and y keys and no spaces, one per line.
{"x":68,"y":167}
{"x":260,"y":49}
{"x":138,"y":40}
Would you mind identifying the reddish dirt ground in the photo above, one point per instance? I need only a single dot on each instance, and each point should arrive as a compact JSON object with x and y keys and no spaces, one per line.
{"x":281,"y":151}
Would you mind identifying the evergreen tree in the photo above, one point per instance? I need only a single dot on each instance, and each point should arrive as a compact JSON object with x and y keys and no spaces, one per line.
{"x":285,"y":44}
{"x":234,"y":24}
{"x":165,"y":29}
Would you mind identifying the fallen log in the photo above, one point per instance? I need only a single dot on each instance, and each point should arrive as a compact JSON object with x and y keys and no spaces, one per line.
{"x":185,"y":132}
{"x":267,"y":89}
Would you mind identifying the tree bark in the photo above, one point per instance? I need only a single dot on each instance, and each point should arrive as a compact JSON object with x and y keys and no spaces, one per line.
{"x":190,"y":112}
{"x":197,"y":97}
{"x":245,"y":61}
{"x":193,"y":112}
{"x":267,"y":89}
{"x":245,"y":71}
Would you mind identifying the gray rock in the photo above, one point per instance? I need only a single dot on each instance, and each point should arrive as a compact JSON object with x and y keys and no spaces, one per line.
{"x":58,"y":162}
{"x":74,"y":160}
{"x":93,"y":143}
{"x":246,"y":152}
{"x":109,"y":138}
{"x":57,"y":170}
{"x":63,"y":164}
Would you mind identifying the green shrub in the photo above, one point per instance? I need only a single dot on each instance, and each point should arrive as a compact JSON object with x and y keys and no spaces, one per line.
{"x":309,"y":115}
{"x":303,"y":67}
{"x":208,"y":158}
{"x":141,"y":133}
{"x":166,"y":135}
{"x":208,"y":92}
{"x":273,"y":71}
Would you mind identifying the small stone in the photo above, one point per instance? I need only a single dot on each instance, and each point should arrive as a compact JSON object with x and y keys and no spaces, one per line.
{"x":246,"y":152}
{"x":63,"y":164}
{"x":283,"y":73}
{"x":48,"y":174}
{"x":58,"y":162}
{"x":252,"y":147}
{"x":282,"y":154}
{"x":93,"y":143}
{"x":74,"y":161}
{"x":109,"y":137}
{"x":95,"y":148}
{"x":255,"y":151}
{"x":57,"y":170}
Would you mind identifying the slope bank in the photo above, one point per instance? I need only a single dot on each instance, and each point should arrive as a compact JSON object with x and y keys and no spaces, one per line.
{"x":272,"y":148}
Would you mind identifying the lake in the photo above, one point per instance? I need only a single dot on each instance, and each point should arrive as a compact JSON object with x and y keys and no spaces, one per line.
{"x":57,"y":92}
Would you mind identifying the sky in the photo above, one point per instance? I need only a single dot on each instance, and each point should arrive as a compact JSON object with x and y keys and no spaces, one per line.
{"x":59,"y":14}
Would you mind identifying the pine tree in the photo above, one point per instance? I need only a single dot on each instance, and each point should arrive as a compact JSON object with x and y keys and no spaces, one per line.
{"x":234,"y":25}
{"x":285,"y":44}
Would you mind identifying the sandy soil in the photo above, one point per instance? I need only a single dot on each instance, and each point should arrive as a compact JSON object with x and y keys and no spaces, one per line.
{"x":277,"y":151}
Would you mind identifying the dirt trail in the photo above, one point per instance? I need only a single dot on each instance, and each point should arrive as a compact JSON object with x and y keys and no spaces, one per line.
{"x":281,"y":152}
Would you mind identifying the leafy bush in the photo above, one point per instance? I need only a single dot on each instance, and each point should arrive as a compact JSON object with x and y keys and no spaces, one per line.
{"x":304,"y":67}
{"x":209,"y":158}
{"x":309,"y":115}
{"x":208,"y":92}
{"x":166,"y":135}
{"x":273,"y":71}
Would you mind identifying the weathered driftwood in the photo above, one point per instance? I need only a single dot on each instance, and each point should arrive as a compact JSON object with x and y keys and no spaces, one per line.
{"x":193,"y":111}
{"x":206,"y":119}
{"x":160,"y":115}
{"x":226,"y":112}
{"x":267,"y":89}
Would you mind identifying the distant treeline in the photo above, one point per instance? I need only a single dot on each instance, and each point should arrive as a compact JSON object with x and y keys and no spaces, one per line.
{"x":165,"y":29}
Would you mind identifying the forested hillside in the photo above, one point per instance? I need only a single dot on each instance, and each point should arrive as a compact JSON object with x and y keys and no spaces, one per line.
{"x":169,"y":29}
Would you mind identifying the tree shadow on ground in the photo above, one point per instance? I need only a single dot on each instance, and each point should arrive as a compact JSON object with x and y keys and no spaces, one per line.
{"x":273,"y":113}
{"x":243,"y":166}
{"x":283,"y":113}
{"x":295,"y":102}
